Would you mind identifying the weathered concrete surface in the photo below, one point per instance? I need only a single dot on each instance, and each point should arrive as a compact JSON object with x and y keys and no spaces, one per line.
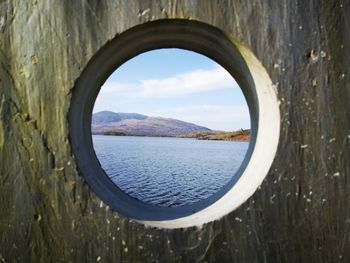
{"x":300,"y":214}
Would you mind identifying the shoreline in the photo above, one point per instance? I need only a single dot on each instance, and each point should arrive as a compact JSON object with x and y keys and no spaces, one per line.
{"x":207,"y":136}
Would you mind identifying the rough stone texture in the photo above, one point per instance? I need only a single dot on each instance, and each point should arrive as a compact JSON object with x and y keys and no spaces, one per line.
{"x":301,"y":212}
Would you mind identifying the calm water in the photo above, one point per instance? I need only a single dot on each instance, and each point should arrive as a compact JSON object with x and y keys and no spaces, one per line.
{"x":168,"y":171}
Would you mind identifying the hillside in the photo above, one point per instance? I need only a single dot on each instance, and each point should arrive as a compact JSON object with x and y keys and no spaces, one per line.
{"x":111,"y":123}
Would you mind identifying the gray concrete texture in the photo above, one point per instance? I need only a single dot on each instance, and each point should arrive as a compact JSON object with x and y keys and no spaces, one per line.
{"x":301,"y":213}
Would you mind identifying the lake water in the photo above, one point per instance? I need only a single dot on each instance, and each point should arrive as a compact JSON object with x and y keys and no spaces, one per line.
{"x":168,"y":171}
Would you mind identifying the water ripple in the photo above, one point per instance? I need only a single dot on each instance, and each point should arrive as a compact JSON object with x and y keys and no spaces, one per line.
{"x":168,"y":171}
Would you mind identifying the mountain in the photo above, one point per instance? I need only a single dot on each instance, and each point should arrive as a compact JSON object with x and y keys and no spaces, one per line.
{"x":104,"y":117}
{"x":108,"y":122}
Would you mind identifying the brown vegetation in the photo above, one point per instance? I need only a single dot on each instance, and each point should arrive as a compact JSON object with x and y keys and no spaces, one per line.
{"x":242,"y":135}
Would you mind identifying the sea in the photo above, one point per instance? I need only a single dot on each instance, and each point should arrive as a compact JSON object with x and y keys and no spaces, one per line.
{"x":167,"y":171}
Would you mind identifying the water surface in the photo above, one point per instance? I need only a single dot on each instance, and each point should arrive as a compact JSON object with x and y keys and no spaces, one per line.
{"x":168,"y":171}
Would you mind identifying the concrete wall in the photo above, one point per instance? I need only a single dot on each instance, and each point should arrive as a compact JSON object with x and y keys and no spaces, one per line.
{"x":301,"y":213}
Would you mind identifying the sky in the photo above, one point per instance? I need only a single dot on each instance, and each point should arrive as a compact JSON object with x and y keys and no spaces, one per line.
{"x":179,"y":84}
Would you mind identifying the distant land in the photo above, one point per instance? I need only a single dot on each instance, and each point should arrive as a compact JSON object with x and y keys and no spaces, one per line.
{"x":134,"y":124}
{"x":242,"y":135}
{"x":107,"y":122}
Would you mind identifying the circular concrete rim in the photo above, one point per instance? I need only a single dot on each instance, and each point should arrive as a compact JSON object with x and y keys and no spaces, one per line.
{"x":237,"y":60}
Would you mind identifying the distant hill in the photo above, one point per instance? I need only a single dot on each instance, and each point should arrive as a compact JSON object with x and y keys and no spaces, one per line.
{"x":111,"y":123}
{"x":109,"y":116}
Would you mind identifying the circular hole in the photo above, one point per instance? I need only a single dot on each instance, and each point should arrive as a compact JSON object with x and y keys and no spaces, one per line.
{"x":170,"y":127}
{"x":242,"y":66}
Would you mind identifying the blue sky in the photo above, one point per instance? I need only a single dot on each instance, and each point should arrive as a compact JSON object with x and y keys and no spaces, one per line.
{"x":175,"y":83}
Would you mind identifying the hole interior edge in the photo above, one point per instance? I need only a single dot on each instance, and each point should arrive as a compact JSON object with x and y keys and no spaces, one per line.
{"x":171,"y":35}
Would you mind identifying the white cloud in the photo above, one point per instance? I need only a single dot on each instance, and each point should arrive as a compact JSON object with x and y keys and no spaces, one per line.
{"x":177,"y":85}
{"x":118,"y":88}
{"x":129,"y":97}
